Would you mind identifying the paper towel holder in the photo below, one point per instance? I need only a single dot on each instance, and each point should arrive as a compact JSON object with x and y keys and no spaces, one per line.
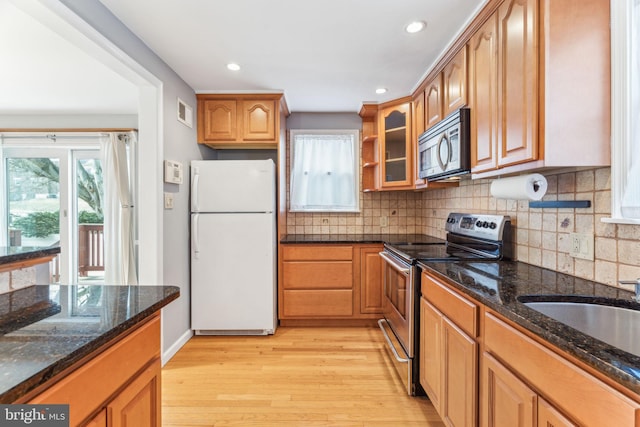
{"x":560,"y":204}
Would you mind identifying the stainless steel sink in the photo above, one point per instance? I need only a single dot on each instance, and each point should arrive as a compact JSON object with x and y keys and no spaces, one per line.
{"x":617,"y":326}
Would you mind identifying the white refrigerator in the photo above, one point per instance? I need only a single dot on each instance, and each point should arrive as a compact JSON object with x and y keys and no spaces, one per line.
{"x":233,"y":247}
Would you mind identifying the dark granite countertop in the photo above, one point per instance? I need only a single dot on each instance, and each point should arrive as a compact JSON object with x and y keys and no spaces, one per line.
{"x":9,"y":254}
{"x":47,"y":328}
{"x":356,"y":238}
{"x":503,"y":285}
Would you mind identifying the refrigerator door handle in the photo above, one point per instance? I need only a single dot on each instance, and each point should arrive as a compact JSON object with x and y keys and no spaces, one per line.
{"x":194,"y":190}
{"x":194,"y":237}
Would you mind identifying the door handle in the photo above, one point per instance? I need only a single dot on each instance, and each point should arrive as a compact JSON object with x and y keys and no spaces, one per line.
{"x":395,"y":264}
{"x":194,"y":237}
{"x":400,"y":359}
{"x":194,"y":190}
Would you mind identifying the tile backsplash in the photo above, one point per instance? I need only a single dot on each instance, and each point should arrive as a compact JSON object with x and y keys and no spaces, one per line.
{"x":542,"y":235}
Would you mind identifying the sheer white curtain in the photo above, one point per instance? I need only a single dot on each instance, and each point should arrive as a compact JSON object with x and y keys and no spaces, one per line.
{"x":324,"y":172}
{"x":630,"y":205}
{"x":119,"y":253}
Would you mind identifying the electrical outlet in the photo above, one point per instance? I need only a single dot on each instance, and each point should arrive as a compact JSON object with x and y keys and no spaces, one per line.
{"x":582,"y":246}
{"x":384,"y":221}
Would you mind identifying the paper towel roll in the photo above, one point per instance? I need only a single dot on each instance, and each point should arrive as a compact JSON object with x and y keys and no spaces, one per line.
{"x":523,"y":187}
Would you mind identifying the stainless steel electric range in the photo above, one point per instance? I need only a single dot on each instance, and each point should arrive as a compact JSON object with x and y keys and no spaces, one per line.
{"x":470,"y":237}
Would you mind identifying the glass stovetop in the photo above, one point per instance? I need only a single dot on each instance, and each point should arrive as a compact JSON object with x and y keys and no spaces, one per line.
{"x":435,"y":251}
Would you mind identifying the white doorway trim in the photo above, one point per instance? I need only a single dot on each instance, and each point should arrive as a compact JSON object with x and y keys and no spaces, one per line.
{"x":65,"y":22}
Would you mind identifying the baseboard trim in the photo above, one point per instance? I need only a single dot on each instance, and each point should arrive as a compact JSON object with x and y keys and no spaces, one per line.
{"x":177,"y":345}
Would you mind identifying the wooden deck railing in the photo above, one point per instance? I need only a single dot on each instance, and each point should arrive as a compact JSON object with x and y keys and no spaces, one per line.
{"x":90,"y":248}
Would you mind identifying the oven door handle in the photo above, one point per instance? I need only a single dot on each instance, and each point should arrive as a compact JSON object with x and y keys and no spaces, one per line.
{"x":395,"y":264}
{"x":391,"y":346}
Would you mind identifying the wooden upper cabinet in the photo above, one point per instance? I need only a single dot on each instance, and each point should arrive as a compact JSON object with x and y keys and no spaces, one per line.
{"x":259,"y":120}
{"x":239,"y":121}
{"x":503,"y":87}
{"x":446,"y":92}
{"x":433,"y":101}
{"x":369,"y":153}
{"x":394,"y":122}
{"x":518,"y":81}
{"x":454,"y":82}
{"x":417,"y":129}
{"x":483,"y":95}
{"x":218,"y":119}
{"x":537,"y":99}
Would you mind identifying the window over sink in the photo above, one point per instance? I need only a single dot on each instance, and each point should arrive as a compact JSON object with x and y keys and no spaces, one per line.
{"x":625,"y":110}
{"x":324,"y":171}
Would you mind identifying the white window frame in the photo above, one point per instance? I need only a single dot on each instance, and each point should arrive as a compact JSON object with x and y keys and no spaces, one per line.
{"x":621,"y":114}
{"x":356,"y":166}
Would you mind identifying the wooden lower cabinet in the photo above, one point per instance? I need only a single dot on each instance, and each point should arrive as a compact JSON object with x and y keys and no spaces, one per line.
{"x":119,"y":386}
{"x":507,"y":401}
{"x":138,"y":405}
{"x":448,"y":354}
{"x":548,"y":416}
{"x":329,"y":281}
{"x":430,"y":364}
{"x":371,"y":291}
{"x":578,"y":396}
{"x":99,"y":420}
{"x":460,"y":376}
{"x":479,"y":368}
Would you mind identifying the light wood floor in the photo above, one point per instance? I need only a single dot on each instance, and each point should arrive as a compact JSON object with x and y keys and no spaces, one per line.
{"x":298,"y":377}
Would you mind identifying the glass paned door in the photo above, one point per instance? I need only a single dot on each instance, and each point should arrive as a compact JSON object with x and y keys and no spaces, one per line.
{"x":33,"y":193}
{"x":89,"y":216}
{"x":54,"y":196}
{"x":34,"y":201}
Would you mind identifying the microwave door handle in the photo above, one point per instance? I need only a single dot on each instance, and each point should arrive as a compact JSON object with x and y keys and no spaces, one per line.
{"x":443,"y":139}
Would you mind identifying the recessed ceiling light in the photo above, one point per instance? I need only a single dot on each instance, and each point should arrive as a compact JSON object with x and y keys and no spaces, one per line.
{"x":415,"y":27}
{"x":233,"y":67}
{"x":381,"y":90}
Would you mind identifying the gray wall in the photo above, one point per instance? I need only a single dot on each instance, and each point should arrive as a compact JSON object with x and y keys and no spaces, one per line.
{"x":324,"y":121}
{"x":179,"y":145}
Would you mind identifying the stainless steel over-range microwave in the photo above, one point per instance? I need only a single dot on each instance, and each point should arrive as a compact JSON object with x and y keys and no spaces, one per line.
{"x":443,"y":150}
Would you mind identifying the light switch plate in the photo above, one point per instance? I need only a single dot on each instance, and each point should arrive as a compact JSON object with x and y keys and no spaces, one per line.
{"x":168,"y":200}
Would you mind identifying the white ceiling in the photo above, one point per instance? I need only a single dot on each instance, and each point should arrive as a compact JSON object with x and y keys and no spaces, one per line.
{"x":328,"y":55}
{"x":43,"y":73}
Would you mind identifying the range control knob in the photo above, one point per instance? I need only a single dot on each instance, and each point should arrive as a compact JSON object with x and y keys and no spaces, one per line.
{"x":493,"y":225}
{"x":479,"y":224}
{"x":485,"y":224}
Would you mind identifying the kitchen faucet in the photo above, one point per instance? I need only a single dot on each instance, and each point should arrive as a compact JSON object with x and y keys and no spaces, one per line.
{"x":636,"y":282}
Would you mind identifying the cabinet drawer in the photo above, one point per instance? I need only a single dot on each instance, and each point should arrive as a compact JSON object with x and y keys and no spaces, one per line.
{"x":317,"y":253}
{"x":573,"y":390}
{"x":318,"y":275}
{"x":460,"y":310}
{"x":307,"y":303}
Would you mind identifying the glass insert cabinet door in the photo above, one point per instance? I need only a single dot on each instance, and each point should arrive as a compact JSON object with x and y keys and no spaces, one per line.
{"x":395,"y":145}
